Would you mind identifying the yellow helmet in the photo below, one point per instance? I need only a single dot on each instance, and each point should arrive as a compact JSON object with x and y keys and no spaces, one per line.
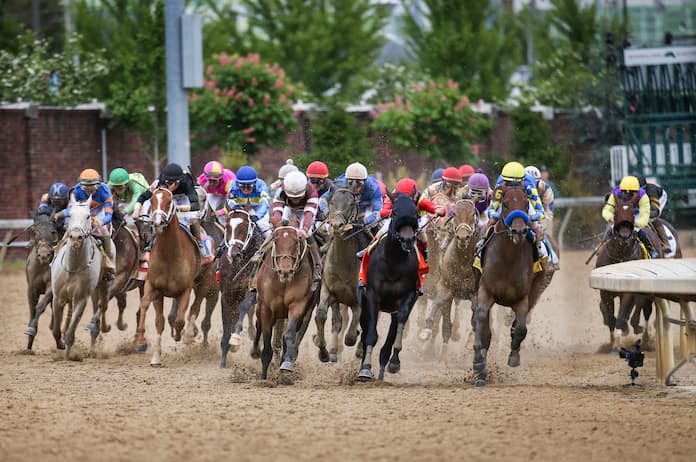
{"x":629,"y":183}
{"x":91,"y":177}
{"x":513,"y":171}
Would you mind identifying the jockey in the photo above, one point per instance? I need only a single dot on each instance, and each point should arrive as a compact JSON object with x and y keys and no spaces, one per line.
{"x":408,"y":187}
{"x":450,"y":181}
{"x":386,"y":201}
{"x":251,"y":193}
{"x":513,"y":174}
{"x":629,"y":189}
{"x":357,"y":180}
{"x":127,"y":188}
{"x":183,"y":189}
{"x":547,"y":198}
{"x":102,"y":209}
{"x":466,"y":170}
{"x":318,"y":174}
{"x":288,"y":166}
{"x":658,"y":201}
{"x":216,"y":181}
{"x":298,"y":197}
{"x":478,"y":189}
{"x":53,"y":204}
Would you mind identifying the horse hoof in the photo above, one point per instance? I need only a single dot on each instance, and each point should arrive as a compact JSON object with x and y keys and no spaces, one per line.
{"x":255,"y":354}
{"x":393,"y":368}
{"x":380,"y":376}
{"x":141,"y":348}
{"x":235,"y":341}
{"x":122,"y":326}
{"x":323,"y":355}
{"x":350,"y":340}
{"x":637,"y":330}
{"x":92,"y":327}
{"x":456,"y":336}
{"x":425,"y":334}
{"x":287,"y":366}
{"x":333,"y":358}
{"x":156,"y":365}
{"x":106,"y":328}
{"x":30,"y":331}
{"x":365,"y":374}
{"x":60,"y":345}
{"x":480,"y":383}
{"x":514,"y":360}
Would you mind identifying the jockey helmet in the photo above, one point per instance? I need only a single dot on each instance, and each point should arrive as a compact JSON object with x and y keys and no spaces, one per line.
{"x":532,"y":171}
{"x":629,"y":183}
{"x":246,"y":175}
{"x":407,"y":186}
{"x":89,"y":177}
{"x":452,"y":175}
{"x":479,"y":181}
{"x":118,"y":177}
{"x":437,"y":174}
{"x":172,"y":172}
{"x":466,"y":170}
{"x":288,"y":167}
{"x":317,"y":169}
{"x":213,"y":170}
{"x":58,"y":191}
{"x":295,"y":184}
{"x":356,"y":171}
{"x":513,"y":171}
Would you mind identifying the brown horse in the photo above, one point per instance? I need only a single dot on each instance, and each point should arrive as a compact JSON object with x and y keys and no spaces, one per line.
{"x":44,"y":237}
{"x":174,"y":264}
{"x":621,"y":245}
{"x":284,"y":283}
{"x":507,"y":278}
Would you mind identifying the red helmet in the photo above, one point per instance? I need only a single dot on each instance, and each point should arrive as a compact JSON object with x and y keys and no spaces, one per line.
{"x":452,"y":175}
{"x":317,"y":169}
{"x":407,"y":186}
{"x":466,"y":170}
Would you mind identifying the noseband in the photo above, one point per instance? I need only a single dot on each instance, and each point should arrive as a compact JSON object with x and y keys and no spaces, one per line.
{"x":166,"y":215}
{"x":296,"y":259}
{"x":233,"y":222}
{"x":353,"y":211}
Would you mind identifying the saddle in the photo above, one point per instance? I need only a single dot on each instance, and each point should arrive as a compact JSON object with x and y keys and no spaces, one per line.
{"x":480,"y":254}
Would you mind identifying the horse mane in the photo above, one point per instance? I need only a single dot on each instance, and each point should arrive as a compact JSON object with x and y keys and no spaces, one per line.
{"x":404,"y":212}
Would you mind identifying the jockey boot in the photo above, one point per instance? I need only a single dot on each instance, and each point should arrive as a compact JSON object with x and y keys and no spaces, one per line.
{"x":195,"y":227}
{"x":652,"y":251}
{"x":109,"y":266}
{"x":318,"y":266}
{"x":660,"y":230}
{"x":423,"y":249}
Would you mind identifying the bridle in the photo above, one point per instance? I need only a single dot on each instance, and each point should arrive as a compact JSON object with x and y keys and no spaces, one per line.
{"x":166,"y":216}
{"x":352,"y":213}
{"x":470,"y":230}
{"x":509,"y":217}
{"x":233,"y":222}
{"x":295,"y":258}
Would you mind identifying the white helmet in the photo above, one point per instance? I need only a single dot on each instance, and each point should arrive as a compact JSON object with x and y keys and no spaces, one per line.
{"x":356,"y":171}
{"x":295,"y":184}
{"x":533,"y":171}
{"x":288,"y":167}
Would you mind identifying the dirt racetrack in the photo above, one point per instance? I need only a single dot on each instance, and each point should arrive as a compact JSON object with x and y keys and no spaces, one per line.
{"x":566,"y":402}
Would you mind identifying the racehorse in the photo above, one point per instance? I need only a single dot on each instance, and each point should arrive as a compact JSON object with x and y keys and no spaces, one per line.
{"x":508,"y":278}
{"x":44,"y":237}
{"x":175,"y":262}
{"x":76,"y":276}
{"x":458,"y":279}
{"x":392,"y":279}
{"x":620,"y":246}
{"x":241,"y":241}
{"x":284,"y":283}
{"x":340,"y":274}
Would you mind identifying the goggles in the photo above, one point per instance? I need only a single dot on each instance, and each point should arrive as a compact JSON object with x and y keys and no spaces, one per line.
{"x":356,"y":182}
{"x":316,"y":180}
{"x":246,"y":187}
{"x":171,"y":182}
{"x":476,"y":192}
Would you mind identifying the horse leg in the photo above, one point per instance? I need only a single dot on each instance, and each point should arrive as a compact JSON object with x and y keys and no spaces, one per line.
{"x":635,"y":317}
{"x":446,"y":328}
{"x":121,"y":301}
{"x":33,"y":297}
{"x":33,"y":327}
{"x":93,"y":324}
{"x":210,"y":302}
{"x":456,"y":324}
{"x":482,"y":336}
{"x":245,"y":307}
{"x":145,"y":300}
{"x":518,"y":332}
{"x":368,"y":322}
{"x":295,"y":311}
{"x":606,"y":307}
{"x":268,"y":323}
{"x":278,"y":346}
{"x":325,"y":301}
{"x":251,"y":323}
{"x":336,"y":328}
{"x":78,"y":309}
{"x":386,"y":350}
{"x":156,"y":360}
{"x":171,"y":317}
{"x":226,"y":329}
{"x":627,"y":302}
{"x":105,"y":326}
{"x":57,"y":317}
{"x":182,"y":303}
{"x":352,"y":333}
{"x":427,"y":330}
{"x":394,"y":365}
{"x":255,"y":352}
{"x":189,"y":332}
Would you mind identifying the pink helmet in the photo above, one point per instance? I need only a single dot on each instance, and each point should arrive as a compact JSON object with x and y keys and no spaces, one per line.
{"x":213,"y":170}
{"x":479,"y":181}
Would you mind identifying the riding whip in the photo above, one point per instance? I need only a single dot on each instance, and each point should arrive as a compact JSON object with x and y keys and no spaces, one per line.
{"x":362,"y":228}
{"x":594,"y":252}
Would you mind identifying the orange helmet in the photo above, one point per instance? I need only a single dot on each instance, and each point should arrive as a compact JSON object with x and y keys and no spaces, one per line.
{"x":466,"y":170}
{"x":89,"y":177}
{"x":407,"y":186}
{"x":317,"y":169}
{"x":452,"y":175}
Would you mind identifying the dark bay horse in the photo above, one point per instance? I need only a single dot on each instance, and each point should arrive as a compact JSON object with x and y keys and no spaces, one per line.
{"x":508,"y":279}
{"x":44,"y":237}
{"x":241,"y":241}
{"x":623,"y":245}
{"x":284,"y":283}
{"x":392,"y":279}
{"x":340,"y":274}
{"x":175,"y":262}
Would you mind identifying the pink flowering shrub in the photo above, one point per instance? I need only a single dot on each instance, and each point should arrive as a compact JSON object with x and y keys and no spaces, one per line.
{"x":435,"y":119}
{"x":242,"y":95}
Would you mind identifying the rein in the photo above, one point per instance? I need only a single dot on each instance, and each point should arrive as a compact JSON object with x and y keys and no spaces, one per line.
{"x":158,"y":211}
{"x":296,"y":259}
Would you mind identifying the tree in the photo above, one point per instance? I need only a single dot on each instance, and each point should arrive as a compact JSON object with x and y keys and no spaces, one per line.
{"x":467,"y":42}
{"x":323,"y":45}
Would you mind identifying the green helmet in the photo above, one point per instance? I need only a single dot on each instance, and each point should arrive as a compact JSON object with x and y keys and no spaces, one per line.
{"x":118,"y":177}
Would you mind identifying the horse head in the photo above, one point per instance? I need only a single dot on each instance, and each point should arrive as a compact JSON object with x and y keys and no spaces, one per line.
{"x":287,"y":252}
{"x":80,"y":226}
{"x":44,"y":237}
{"x":441,"y":228}
{"x":624,"y":216}
{"x":514,"y":207}
{"x":162,"y":209}
{"x":465,"y":221}
{"x":343,"y":209}
{"x":404,"y":222}
{"x":239,"y":229}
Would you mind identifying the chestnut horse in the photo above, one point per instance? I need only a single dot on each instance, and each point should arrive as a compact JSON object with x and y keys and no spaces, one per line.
{"x":507,"y":278}
{"x":284,"y":283}
{"x":175,"y":262}
{"x":623,"y":245}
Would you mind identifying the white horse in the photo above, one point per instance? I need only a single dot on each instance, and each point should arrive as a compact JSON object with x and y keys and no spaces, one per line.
{"x":76,"y":276}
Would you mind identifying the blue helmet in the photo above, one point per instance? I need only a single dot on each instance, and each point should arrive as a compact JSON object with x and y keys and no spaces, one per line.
{"x":58,"y":191}
{"x":437,"y":174}
{"x":246,"y":175}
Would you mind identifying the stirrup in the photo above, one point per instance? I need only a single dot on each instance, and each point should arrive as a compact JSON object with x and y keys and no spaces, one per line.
{"x":361,"y":253}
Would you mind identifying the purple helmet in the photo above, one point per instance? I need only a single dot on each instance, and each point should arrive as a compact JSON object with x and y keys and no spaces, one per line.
{"x":479,"y":181}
